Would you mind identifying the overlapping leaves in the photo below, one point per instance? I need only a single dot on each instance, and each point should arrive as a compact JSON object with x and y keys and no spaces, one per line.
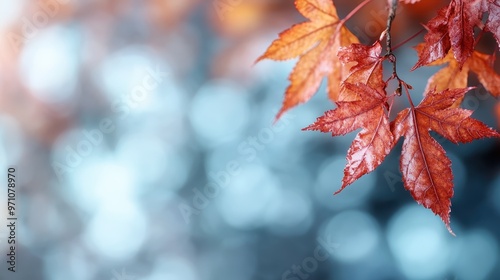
{"x":316,"y":42}
{"x":326,"y":48}
{"x":453,"y":28}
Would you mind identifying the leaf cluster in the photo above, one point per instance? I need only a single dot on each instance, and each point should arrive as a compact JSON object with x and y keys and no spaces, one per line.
{"x":356,"y":84}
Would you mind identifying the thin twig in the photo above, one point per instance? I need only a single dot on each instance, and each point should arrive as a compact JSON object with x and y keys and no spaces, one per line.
{"x":390,"y":19}
{"x":355,"y":10}
{"x":344,"y":20}
{"x":389,"y":55}
{"x":409,"y":39}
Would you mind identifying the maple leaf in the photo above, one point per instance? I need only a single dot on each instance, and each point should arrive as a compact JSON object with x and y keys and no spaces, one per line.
{"x":316,"y":42}
{"x":452,"y":28}
{"x":451,"y":76}
{"x":367,"y":70}
{"x":424,"y":165}
{"x":373,"y":143}
{"x":437,"y":40}
{"x":461,"y":23}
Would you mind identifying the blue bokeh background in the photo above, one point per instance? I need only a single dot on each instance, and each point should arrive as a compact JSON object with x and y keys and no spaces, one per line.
{"x":145,"y":148}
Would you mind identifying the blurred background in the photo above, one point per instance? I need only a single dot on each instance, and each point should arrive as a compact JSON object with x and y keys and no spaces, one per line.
{"x":143,"y":140}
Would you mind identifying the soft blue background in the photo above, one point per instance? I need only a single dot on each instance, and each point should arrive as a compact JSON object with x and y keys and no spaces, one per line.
{"x":139,"y":158}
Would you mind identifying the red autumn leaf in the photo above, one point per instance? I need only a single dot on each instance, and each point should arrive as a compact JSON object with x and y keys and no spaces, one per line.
{"x":425,"y":167}
{"x":316,"y":42}
{"x":437,"y":40}
{"x":367,"y":70}
{"x":451,"y":76}
{"x":373,"y":142}
{"x":461,"y":22}
{"x":453,"y":28}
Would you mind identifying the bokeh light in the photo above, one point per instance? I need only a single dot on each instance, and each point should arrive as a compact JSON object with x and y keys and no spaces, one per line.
{"x":146,"y":147}
{"x":49,"y":64}
{"x":419,"y":243}
{"x":355,"y":232}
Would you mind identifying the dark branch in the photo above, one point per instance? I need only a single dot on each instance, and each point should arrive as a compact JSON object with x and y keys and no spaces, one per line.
{"x":389,"y":55}
{"x":390,"y":19}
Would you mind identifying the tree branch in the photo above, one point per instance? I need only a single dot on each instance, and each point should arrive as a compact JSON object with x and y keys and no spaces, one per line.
{"x":390,"y":19}
{"x":389,"y":55}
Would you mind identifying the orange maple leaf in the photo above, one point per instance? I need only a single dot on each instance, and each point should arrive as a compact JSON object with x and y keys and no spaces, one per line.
{"x":373,"y":143}
{"x":451,"y":76}
{"x":316,"y":42}
{"x":425,"y":167}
